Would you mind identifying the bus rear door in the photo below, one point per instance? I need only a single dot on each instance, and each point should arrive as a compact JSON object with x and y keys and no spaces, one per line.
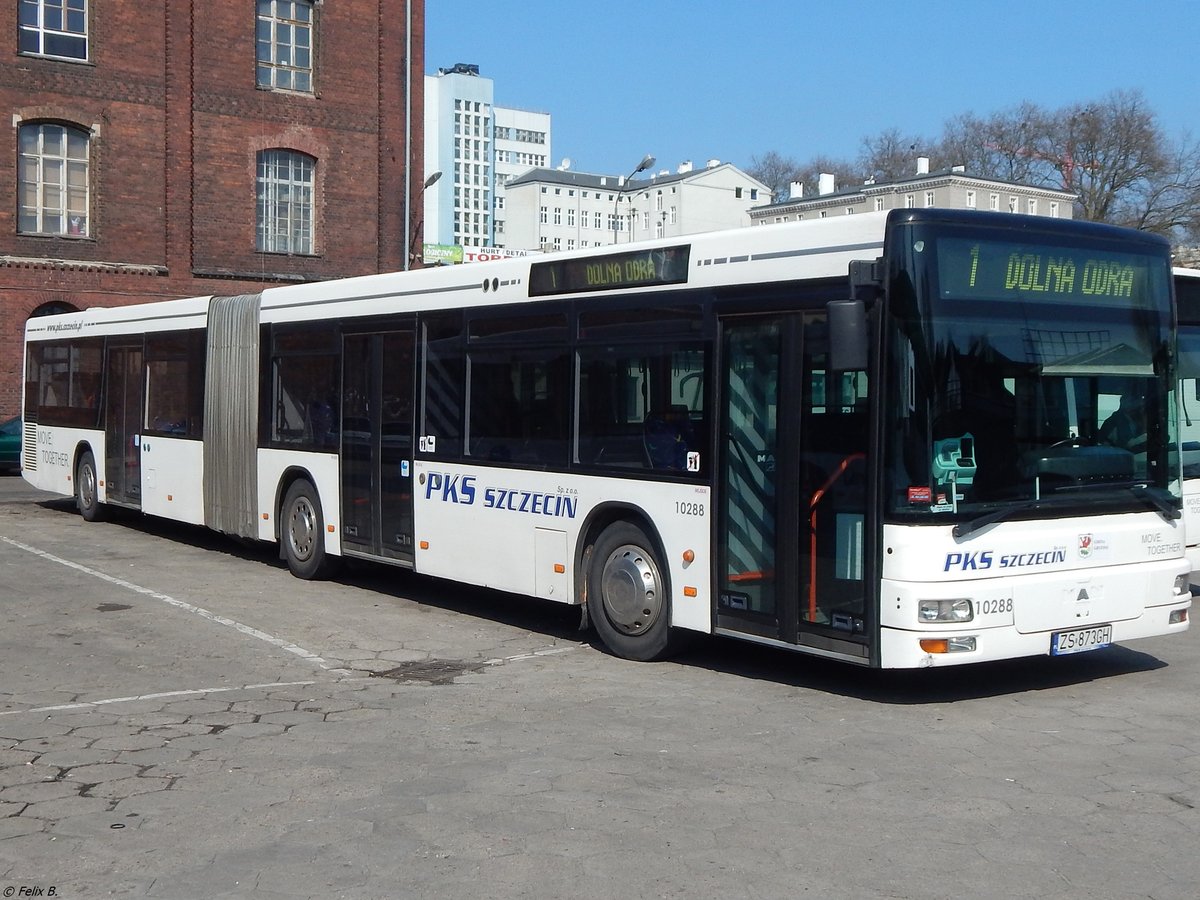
{"x":123,"y":417}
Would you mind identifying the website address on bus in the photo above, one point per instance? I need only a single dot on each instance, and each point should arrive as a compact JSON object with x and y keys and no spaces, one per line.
{"x":465,"y":490}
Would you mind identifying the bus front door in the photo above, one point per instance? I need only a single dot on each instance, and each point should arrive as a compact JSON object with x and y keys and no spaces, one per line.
{"x":793,"y":507}
{"x":377,"y":445}
{"x":122,"y":425}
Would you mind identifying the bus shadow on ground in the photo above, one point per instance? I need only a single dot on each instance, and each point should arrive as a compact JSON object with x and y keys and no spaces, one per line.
{"x":554,"y":620}
{"x":917,"y":686}
{"x":735,"y":658}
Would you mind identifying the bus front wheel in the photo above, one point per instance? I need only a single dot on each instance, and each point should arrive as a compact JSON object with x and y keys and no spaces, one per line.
{"x":628,"y":595}
{"x":303,"y":536}
{"x":87,"y":494}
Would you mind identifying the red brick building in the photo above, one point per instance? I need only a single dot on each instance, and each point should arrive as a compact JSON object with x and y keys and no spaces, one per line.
{"x":168,"y":149}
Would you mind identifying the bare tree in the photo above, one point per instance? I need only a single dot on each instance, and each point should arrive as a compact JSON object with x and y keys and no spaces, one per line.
{"x":1167,"y":202}
{"x":1111,"y":153}
{"x":780,"y":172}
{"x":775,"y":171}
{"x":1104,"y":151}
{"x":809,"y":175}
{"x":891,"y":155}
{"x":999,"y":146}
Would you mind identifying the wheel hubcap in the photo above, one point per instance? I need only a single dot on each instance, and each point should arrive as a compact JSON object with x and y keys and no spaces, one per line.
{"x":631,"y":590}
{"x":302,"y":528}
{"x":87,"y":486}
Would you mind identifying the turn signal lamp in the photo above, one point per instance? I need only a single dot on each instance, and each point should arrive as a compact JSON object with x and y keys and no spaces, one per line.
{"x":948,"y":645}
{"x":1177,"y":617}
{"x":689,"y":556}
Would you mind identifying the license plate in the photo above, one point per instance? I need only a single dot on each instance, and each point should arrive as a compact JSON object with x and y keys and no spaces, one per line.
{"x":1064,"y":642}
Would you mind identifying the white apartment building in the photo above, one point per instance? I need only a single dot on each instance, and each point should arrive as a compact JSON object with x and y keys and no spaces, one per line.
{"x":557,"y":209}
{"x":522,"y":140}
{"x":947,"y":189}
{"x":476,"y":146}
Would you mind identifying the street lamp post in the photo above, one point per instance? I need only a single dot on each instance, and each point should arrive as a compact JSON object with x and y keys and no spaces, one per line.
{"x":411,"y":255}
{"x":647,"y":162}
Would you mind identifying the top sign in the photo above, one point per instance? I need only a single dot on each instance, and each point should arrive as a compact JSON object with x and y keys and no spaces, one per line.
{"x":997,"y":270}
{"x":612,"y":272}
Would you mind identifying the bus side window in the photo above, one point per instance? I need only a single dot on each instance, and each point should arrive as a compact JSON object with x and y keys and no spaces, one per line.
{"x":519,"y":402}
{"x":643,"y":408}
{"x":443,"y":384}
{"x":69,"y":373}
{"x":304,"y":388}
{"x":175,"y":383}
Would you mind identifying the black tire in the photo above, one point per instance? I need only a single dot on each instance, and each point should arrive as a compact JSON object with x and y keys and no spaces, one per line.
{"x":629,"y":594}
{"x":87,"y":489}
{"x":302,"y":532}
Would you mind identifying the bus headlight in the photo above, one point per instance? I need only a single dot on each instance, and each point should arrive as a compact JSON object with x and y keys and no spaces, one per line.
{"x":959,"y":610}
{"x":1183,"y":585}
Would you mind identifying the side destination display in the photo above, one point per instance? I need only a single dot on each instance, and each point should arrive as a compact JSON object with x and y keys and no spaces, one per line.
{"x":618,"y":271}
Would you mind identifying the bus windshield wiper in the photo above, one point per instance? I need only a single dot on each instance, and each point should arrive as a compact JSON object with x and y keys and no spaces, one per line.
{"x":991,"y":517}
{"x":1154,"y":497}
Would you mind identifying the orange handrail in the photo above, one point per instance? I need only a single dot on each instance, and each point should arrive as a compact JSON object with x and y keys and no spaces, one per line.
{"x":812,"y":526}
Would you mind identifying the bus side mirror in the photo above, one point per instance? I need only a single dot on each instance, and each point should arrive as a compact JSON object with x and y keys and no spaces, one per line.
{"x":847,"y":335}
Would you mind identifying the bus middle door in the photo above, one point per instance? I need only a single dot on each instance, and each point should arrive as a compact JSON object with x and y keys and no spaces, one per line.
{"x":377,"y":444}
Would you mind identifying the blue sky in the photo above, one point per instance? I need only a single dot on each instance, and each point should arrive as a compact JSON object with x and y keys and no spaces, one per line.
{"x":729,"y":81}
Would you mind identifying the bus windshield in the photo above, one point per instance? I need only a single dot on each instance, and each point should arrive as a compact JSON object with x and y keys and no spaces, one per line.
{"x":1029,"y":376}
{"x":1189,"y":400}
{"x":1187,"y":292}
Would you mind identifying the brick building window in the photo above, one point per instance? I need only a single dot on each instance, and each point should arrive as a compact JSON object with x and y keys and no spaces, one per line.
{"x":284,"y":44}
{"x":53,"y":180}
{"x":53,"y":28}
{"x":284,"y":202}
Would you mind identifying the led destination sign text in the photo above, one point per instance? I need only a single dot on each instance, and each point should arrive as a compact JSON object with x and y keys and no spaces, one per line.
{"x":994,"y":270}
{"x":634,"y":271}
{"x":1038,"y":272}
{"x":616,"y":271}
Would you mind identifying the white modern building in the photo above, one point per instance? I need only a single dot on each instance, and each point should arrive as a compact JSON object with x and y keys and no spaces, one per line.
{"x":522,"y":143}
{"x":476,"y":146}
{"x":558,"y":209}
{"x":947,"y":188}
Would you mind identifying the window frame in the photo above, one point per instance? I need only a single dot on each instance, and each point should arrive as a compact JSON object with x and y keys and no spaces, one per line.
{"x":268,"y":195}
{"x":272,"y":67}
{"x":40,"y":158}
{"x":44,"y":34}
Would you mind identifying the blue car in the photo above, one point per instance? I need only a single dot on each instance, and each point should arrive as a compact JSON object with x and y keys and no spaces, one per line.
{"x":10,"y":445}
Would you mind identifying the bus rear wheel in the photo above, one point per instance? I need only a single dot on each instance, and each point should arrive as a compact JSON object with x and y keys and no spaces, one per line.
{"x":302,"y":534}
{"x":628,"y":595}
{"x":87,"y":493}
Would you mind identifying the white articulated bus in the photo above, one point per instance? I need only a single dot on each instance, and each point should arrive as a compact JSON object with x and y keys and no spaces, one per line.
{"x":1187,"y":293}
{"x":880,"y":439}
